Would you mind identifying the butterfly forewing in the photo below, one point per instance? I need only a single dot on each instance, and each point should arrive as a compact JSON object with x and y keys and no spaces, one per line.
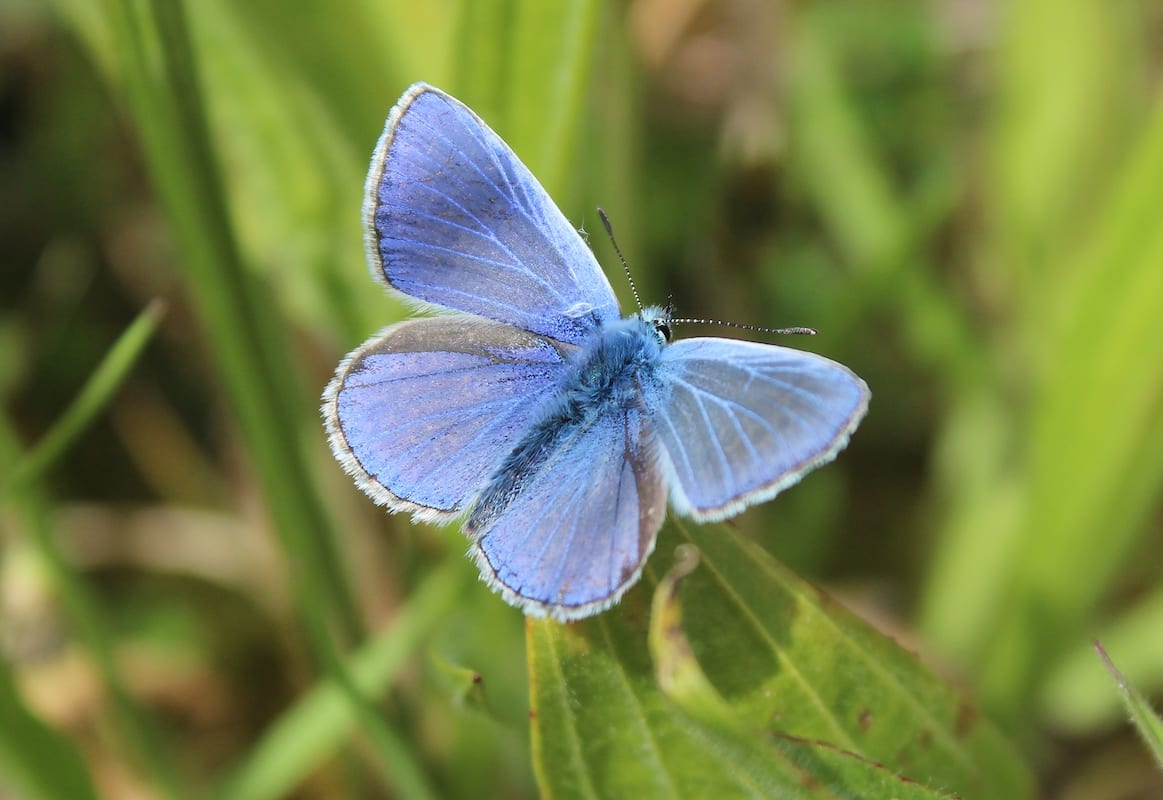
{"x":453,"y":218}
{"x":425,"y":411}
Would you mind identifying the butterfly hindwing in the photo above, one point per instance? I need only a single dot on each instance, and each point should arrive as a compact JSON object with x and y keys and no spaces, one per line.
{"x":741,"y":421}
{"x":576,"y":533}
{"x":454,"y":219}
{"x":425,"y":411}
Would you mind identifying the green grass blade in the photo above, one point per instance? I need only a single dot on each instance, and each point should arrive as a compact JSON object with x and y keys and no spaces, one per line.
{"x":91,"y":400}
{"x":552,"y":58}
{"x":1073,"y":697}
{"x":1145,"y":719}
{"x":36,"y":761}
{"x":81,"y":608}
{"x":546,"y":49}
{"x":316,"y":727}
{"x":1095,"y":431}
{"x":247,"y":339}
{"x":1063,"y":104}
{"x":878,"y":230}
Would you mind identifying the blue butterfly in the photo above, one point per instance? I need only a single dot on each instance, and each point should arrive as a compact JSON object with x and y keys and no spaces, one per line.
{"x":530,"y":407}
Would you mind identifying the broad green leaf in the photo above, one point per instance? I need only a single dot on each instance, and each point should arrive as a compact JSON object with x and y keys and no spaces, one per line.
{"x":1145,"y":718}
{"x":783,"y":660}
{"x":799,"y":767}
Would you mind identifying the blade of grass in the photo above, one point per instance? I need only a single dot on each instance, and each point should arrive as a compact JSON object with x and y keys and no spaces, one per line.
{"x":245,"y":335}
{"x":1073,"y":696}
{"x":92,"y":399}
{"x":35,"y":760}
{"x":1062,"y":108}
{"x":247,"y":339}
{"x":1145,"y":719}
{"x":305,"y":735}
{"x":1095,"y":464}
{"x":875,"y":227}
{"x":81,"y":607}
{"x":547,"y":50}
{"x":551,"y":59}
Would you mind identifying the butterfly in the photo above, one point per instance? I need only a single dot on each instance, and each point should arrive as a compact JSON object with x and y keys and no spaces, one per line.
{"x":528,"y":407}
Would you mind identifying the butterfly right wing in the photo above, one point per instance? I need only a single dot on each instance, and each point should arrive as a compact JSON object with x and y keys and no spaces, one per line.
{"x":453,"y":218}
{"x":741,"y":421}
{"x":424,"y":412}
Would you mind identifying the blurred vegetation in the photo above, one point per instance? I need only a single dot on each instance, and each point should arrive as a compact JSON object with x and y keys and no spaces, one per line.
{"x":966,"y":198}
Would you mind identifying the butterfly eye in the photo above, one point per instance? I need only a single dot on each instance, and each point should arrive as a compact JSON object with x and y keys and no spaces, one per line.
{"x":662,"y":329}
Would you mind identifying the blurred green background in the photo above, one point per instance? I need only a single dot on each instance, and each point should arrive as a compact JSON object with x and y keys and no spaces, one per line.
{"x":966,"y":198}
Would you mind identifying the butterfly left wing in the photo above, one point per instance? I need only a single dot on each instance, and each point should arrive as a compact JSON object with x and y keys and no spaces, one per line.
{"x":574,"y":533}
{"x":425,"y":411}
{"x":741,"y":421}
{"x":453,"y":218}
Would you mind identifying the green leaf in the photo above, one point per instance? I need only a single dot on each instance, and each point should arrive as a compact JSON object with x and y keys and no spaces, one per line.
{"x":802,"y":767}
{"x":1145,"y":719}
{"x":780,"y":660}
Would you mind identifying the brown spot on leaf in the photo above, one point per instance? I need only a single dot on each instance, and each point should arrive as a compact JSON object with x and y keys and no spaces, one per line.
{"x":966,"y":717}
{"x":532,"y":713}
{"x":864,"y":720}
{"x":477,"y":678}
{"x":925,"y":739}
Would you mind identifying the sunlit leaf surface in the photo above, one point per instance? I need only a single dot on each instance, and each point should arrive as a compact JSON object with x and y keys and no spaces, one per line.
{"x":797,"y":691}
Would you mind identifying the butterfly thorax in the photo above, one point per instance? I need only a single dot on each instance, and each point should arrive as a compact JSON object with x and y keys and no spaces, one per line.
{"x":610,"y":370}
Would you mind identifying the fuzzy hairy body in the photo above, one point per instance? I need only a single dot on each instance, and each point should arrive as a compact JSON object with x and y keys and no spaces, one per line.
{"x":610,"y":373}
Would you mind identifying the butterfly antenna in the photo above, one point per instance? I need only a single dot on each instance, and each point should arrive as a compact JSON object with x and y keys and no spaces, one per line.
{"x":622,"y":258}
{"x":797,"y":331}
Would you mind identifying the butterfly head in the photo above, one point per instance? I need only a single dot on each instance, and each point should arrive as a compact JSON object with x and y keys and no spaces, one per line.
{"x":659,"y":319}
